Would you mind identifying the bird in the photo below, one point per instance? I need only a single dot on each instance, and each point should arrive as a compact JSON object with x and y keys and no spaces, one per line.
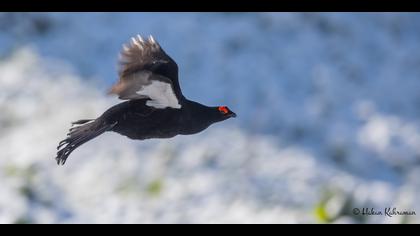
{"x":153,"y":105}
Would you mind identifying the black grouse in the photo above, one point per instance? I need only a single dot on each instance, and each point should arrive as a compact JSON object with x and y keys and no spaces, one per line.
{"x":155,"y":106}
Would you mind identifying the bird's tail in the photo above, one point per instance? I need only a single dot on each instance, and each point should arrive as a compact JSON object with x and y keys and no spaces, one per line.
{"x":81,"y":132}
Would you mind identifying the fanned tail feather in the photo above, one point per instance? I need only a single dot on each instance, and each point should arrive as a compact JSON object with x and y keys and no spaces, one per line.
{"x":78,"y":135}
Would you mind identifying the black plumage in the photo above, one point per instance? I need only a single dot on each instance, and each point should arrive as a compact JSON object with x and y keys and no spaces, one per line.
{"x":156,"y":107}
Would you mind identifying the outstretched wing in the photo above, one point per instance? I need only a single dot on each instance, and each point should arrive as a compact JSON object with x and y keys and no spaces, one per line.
{"x":147,"y":72}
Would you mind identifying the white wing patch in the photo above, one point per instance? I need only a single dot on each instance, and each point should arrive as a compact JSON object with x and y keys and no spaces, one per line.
{"x":161,"y":95}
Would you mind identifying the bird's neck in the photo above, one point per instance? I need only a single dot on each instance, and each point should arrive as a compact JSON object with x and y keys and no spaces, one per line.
{"x":198,"y":117}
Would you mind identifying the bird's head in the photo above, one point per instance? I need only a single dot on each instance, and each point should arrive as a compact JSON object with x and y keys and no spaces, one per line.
{"x":225,"y":113}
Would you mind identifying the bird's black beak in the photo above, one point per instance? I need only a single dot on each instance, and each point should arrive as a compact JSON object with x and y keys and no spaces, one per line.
{"x":233,"y":114}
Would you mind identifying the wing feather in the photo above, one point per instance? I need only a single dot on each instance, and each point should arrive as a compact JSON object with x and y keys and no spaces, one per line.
{"x":146,"y":71}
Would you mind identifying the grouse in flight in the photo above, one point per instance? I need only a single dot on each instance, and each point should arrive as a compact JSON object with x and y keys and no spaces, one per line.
{"x":155,"y":106}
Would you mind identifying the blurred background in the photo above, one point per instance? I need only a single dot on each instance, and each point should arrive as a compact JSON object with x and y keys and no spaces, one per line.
{"x":328,"y":119}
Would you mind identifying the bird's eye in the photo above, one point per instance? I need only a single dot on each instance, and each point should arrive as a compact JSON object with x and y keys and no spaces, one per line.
{"x":224,"y":110}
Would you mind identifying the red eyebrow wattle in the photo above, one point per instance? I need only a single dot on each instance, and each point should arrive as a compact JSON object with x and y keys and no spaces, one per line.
{"x":223,"y":109}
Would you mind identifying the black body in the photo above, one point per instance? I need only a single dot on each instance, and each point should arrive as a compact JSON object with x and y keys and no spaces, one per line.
{"x":136,"y":120}
{"x":156,"y":107}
